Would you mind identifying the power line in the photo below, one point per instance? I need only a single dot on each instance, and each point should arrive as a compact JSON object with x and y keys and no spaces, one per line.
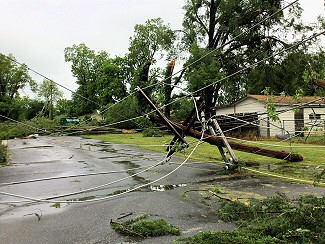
{"x":107,"y":197}
{"x":45,"y":77}
{"x":18,"y":122}
{"x":196,"y":61}
{"x":227,"y":43}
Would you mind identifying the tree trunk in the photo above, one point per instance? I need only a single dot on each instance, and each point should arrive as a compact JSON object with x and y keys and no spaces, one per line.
{"x":168,"y":88}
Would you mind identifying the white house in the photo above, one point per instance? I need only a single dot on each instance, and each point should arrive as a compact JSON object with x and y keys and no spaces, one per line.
{"x":296,"y":118}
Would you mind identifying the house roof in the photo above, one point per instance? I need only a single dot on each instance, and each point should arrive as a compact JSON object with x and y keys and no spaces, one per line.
{"x":288,"y":99}
{"x":280,"y":100}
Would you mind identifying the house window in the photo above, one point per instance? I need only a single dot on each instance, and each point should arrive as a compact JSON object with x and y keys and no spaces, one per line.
{"x":314,"y":116}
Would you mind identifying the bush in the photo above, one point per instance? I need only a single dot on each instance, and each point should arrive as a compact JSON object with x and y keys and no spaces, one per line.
{"x":151,"y":132}
{"x":9,"y":130}
{"x":3,"y":154}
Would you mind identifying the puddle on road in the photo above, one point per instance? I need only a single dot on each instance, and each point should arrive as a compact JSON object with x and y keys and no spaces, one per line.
{"x":115,"y":156}
{"x":107,"y":149}
{"x":153,"y":188}
{"x":128,"y":164}
{"x":103,"y":147}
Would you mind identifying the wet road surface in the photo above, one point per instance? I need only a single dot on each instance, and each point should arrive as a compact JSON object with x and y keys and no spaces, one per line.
{"x":25,"y":221}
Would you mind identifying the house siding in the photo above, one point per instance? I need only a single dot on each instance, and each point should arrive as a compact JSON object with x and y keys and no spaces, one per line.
{"x":287,"y":122}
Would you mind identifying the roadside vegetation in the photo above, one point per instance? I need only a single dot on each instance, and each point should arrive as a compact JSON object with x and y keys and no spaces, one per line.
{"x":10,"y":130}
{"x":273,"y":220}
{"x":311,"y":168}
{"x":3,"y":154}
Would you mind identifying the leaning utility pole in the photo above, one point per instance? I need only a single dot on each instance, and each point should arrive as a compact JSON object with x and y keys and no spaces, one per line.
{"x":217,"y":141}
{"x":180,"y":131}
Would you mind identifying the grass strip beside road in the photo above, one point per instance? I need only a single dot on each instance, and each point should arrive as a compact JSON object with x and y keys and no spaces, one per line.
{"x":312,"y":166}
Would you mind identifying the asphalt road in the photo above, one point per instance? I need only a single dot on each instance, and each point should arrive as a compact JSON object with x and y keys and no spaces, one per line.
{"x":27,"y":221}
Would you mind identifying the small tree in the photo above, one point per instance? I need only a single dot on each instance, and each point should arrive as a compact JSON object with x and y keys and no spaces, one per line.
{"x":49,"y":93}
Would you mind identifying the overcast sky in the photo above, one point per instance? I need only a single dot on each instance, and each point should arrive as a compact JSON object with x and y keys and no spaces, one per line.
{"x":37,"y":31}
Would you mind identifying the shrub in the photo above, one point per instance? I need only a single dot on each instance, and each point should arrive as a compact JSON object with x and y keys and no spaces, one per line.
{"x":9,"y":130}
{"x":3,"y":154}
{"x":151,"y":132}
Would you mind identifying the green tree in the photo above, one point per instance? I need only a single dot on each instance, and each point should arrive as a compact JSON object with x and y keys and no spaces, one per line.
{"x":288,"y":75}
{"x":85,"y":67}
{"x":111,"y":81}
{"x":224,"y":31}
{"x":26,"y":108}
{"x":64,"y":107}
{"x":13,"y":77}
{"x":49,"y":92}
{"x":151,"y":42}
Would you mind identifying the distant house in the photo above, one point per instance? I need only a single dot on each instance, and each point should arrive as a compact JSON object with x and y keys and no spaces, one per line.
{"x":310,"y":115}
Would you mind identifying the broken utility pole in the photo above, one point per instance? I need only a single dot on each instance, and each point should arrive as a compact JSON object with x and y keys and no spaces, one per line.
{"x":163,"y":118}
{"x":188,"y":123}
{"x":215,"y":130}
{"x":179,"y":129}
{"x":214,"y":140}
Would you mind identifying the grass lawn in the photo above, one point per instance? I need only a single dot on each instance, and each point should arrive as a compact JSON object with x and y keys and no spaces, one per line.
{"x":312,"y":166}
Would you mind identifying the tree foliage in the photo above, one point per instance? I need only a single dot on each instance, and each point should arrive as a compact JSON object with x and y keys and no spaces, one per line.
{"x":13,"y":77}
{"x":111,"y":81}
{"x":289,"y":75}
{"x":48,"y":90}
{"x":150,"y":43}
{"x":276,"y":219}
{"x":85,"y":66}
{"x":231,"y":35}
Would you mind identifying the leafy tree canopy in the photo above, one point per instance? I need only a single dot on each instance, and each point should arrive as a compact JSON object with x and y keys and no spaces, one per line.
{"x":13,"y":77}
{"x":230,"y":35}
{"x":85,"y":66}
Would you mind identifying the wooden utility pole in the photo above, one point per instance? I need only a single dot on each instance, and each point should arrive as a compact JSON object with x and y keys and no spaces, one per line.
{"x":163,"y":118}
{"x":179,"y":130}
{"x":217,"y":141}
{"x":213,"y":140}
